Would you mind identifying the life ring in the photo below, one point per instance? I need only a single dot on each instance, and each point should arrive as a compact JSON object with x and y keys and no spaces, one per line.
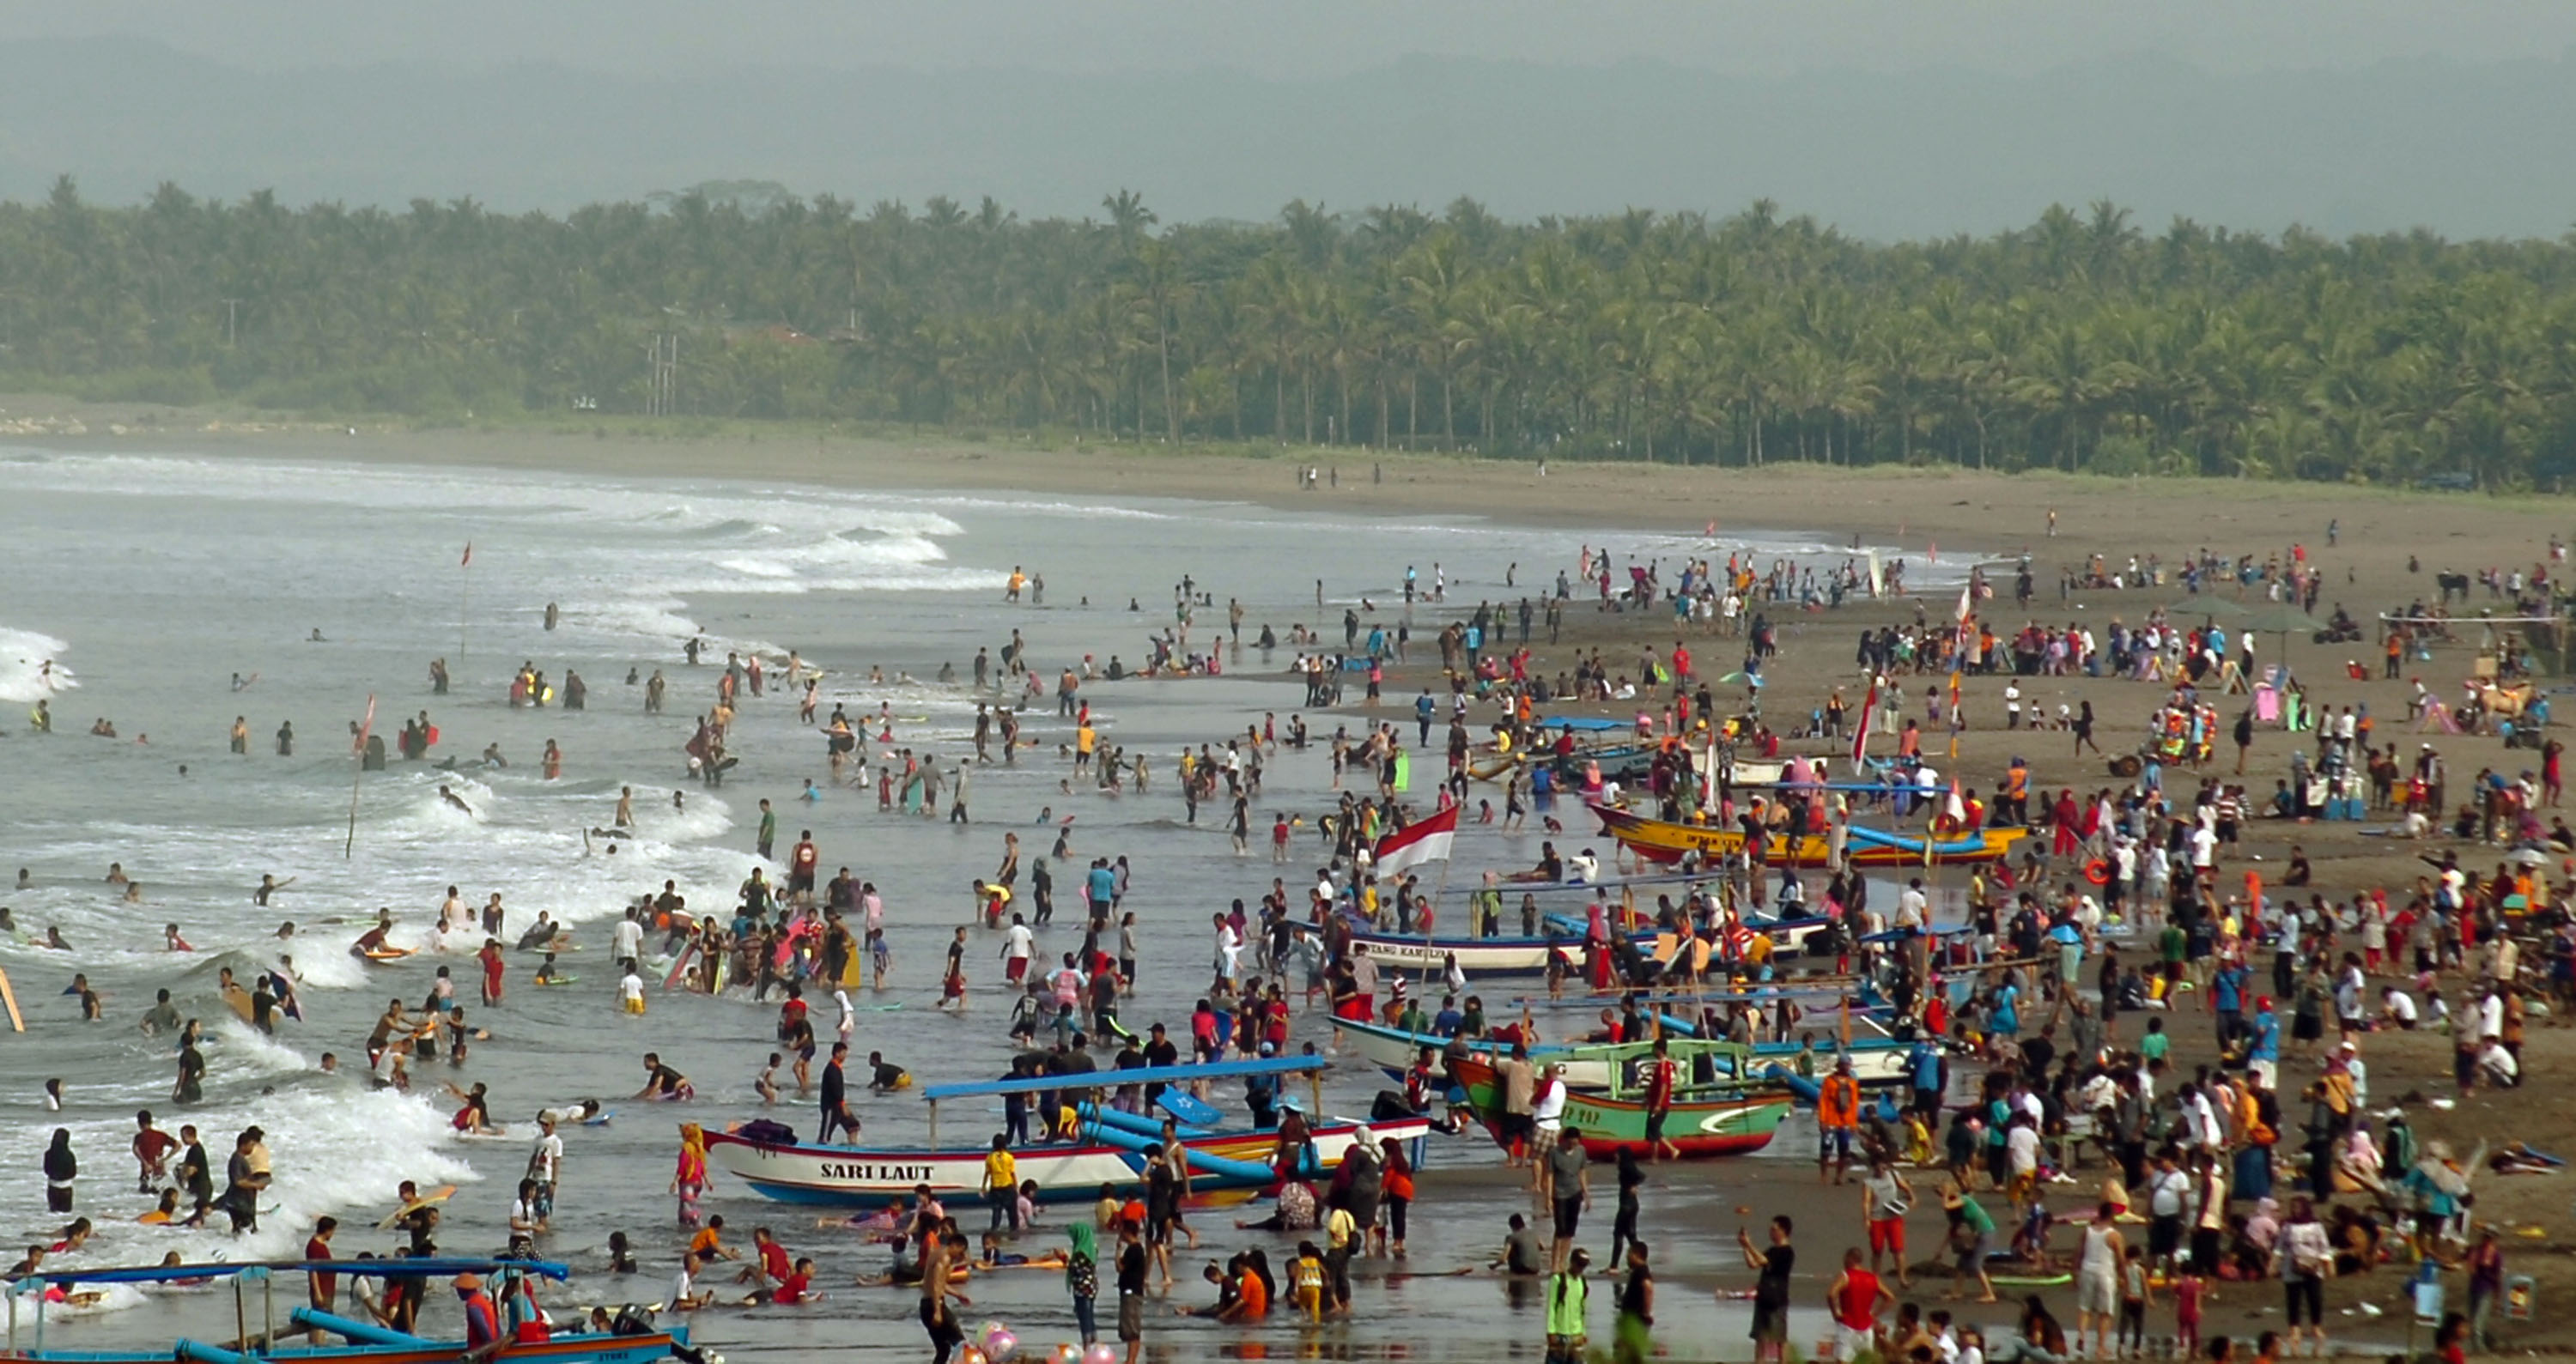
{"x":2097,"y":871}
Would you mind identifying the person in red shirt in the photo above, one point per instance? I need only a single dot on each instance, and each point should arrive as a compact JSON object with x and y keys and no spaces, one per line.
{"x":1660,"y":1079}
{"x":801,"y":865}
{"x":321,"y":1289}
{"x":770,"y":1264}
{"x":1855,"y":1299}
{"x":152,"y":1149}
{"x":797,"y":1287}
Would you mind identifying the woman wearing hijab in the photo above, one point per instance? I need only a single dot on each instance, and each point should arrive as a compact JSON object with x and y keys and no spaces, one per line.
{"x":1082,"y":1276}
{"x":61,"y":1168}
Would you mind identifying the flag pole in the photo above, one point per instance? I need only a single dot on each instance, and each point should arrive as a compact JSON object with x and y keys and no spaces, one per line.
{"x":349,"y":848}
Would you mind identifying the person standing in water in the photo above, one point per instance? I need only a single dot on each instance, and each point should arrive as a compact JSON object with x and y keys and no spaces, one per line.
{"x":286,"y":739}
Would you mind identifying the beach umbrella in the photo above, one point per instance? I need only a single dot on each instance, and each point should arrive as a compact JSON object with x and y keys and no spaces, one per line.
{"x":2281,"y":620}
{"x":2204,"y":604}
{"x":2529,"y":857}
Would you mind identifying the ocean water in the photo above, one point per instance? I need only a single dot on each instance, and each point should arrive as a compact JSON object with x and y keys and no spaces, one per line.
{"x":139,"y":587}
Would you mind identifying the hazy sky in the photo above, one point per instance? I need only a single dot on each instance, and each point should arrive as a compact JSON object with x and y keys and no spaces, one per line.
{"x":1318,"y":37}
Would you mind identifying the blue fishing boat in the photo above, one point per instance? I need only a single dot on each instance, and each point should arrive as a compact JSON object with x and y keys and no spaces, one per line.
{"x":633,"y":1339}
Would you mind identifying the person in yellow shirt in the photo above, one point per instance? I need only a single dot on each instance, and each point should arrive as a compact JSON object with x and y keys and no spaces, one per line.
{"x":1306,"y":1281}
{"x":1342,"y":1233}
{"x":1002,"y":1183}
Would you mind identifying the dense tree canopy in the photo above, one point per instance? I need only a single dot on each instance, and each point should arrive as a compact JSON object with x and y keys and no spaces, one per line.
{"x":2080,"y":342}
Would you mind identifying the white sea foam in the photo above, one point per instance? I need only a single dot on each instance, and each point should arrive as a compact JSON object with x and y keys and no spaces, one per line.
{"x":619,"y":554}
{"x":24,"y":674}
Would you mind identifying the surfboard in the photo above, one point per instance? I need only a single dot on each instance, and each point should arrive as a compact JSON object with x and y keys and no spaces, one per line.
{"x":1403,"y":769}
{"x":381,"y":954}
{"x":679,"y":967}
{"x":559,"y":980}
{"x":9,"y":996}
{"x":431,"y":1199}
{"x":238,"y":1000}
{"x":600,"y":1118}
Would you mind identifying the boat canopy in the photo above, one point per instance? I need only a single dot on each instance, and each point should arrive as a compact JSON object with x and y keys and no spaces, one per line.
{"x":1591,"y":724}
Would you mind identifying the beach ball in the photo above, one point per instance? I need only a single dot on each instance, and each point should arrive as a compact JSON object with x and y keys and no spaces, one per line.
{"x":969,"y":1354}
{"x":1102,"y":1353}
{"x":1000,"y":1344}
{"x":1068,"y":1353}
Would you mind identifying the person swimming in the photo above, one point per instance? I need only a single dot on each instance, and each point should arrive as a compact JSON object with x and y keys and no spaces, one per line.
{"x":453,"y":799}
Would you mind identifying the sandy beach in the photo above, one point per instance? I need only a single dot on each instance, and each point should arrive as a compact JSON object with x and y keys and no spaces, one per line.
{"x":2387,"y":548}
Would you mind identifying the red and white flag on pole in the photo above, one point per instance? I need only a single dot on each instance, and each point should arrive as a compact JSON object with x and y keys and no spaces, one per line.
{"x":469,"y":555}
{"x":1424,"y":840}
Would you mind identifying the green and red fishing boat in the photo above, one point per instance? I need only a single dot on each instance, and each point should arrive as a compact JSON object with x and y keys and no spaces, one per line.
{"x":1730,"y":1120}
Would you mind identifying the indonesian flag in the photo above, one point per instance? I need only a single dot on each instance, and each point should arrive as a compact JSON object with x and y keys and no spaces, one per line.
{"x":365,"y":727}
{"x":1424,"y":840}
{"x":469,"y":555}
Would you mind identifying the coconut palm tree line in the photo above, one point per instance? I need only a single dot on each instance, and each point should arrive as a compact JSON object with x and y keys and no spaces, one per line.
{"x":2081,"y":342}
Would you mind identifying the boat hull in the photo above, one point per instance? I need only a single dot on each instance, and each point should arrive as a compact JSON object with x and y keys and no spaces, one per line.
{"x":1476,"y":956}
{"x":1664,"y":842}
{"x":850,"y":1176}
{"x":584,"y":1348}
{"x":1698,"y":1128}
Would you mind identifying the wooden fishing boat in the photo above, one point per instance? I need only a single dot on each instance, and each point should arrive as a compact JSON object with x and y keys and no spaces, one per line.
{"x":1702,"y":1123}
{"x":1111,"y":1149}
{"x":1658,"y":840}
{"x":637,"y":1341}
{"x":1496,"y":956}
{"x":1589,"y":1065}
{"x":850,"y":1176}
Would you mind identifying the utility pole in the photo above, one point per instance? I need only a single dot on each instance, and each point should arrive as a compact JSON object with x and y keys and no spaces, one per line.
{"x":232,"y":333}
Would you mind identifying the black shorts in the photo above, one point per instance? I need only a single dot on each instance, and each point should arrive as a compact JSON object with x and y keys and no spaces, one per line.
{"x":1569,"y":1214}
{"x":1519,"y":1127}
{"x":1655,"y":1126}
{"x":2164,"y":1236}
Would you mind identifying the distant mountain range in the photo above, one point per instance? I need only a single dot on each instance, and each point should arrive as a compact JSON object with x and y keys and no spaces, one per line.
{"x":2467,"y":150}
